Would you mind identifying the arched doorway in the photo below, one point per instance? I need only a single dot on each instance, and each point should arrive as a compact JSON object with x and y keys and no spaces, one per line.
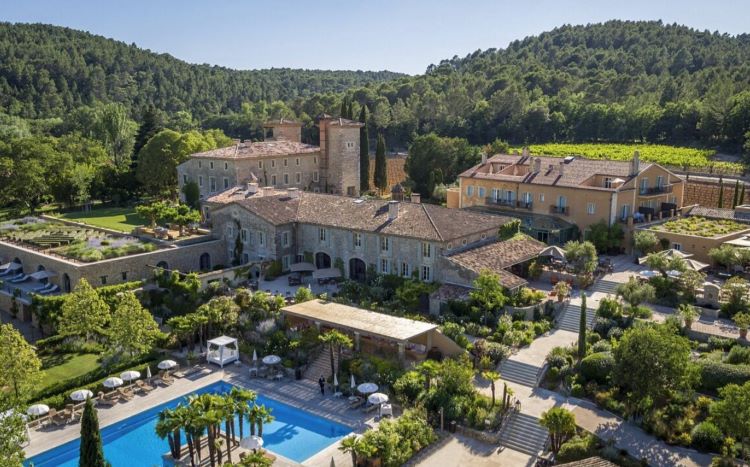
{"x":322,"y":260}
{"x":40,"y":268}
{"x":66,"y":283}
{"x":357,"y":270}
{"x":205,"y":262}
{"x":162,"y":265}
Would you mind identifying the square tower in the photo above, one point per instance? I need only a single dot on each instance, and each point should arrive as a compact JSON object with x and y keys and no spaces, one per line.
{"x":282,"y":129}
{"x":339,"y":149}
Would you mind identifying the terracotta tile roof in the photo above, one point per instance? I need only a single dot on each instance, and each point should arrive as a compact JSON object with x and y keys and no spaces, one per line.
{"x":498,"y":256}
{"x":589,"y":462}
{"x":574,"y":172}
{"x":422,"y":221}
{"x":248,"y":150}
{"x":451,"y":292}
{"x":719,"y":213}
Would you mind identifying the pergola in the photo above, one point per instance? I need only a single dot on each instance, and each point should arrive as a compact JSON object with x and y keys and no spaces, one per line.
{"x":406,"y":334}
{"x":222,"y":350}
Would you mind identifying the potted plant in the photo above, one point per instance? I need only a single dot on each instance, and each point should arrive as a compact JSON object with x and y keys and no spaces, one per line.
{"x":688,"y":313}
{"x":562,"y":290}
{"x":742,"y":320}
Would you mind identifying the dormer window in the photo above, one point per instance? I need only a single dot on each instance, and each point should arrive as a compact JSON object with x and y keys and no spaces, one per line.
{"x":607,"y":182}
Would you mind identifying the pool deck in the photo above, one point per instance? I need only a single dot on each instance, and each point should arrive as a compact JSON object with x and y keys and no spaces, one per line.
{"x":303,"y":394}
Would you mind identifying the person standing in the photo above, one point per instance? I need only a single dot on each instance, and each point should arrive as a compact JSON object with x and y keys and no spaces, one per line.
{"x":322,"y":384}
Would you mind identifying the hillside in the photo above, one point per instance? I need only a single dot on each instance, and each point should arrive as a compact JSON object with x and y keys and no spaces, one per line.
{"x":48,"y":70}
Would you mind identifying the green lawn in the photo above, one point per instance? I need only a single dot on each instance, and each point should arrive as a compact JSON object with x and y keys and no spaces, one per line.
{"x":122,"y":219}
{"x":65,"y":366}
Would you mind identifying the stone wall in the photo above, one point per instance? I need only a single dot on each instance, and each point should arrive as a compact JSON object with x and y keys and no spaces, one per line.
{"x":342,"y":176}
{"x":706,"y":193}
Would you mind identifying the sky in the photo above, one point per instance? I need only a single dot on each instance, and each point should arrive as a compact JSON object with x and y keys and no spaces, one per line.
{"x":404,"y":36}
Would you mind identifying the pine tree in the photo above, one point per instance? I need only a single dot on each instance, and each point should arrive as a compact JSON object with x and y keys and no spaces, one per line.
{"x":582,"y":329}
{"x":151,"y":124}
{"x":344,"y":108}
{"x":721,"y":192}
{"x":364,"y":152}
{"x":381,"y":168}
{"x":736,"y":194}
{"x":92,"y":453}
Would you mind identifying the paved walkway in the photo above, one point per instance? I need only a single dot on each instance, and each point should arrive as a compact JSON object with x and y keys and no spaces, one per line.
{"x":459,"y":450}
{"x":627,"y":436}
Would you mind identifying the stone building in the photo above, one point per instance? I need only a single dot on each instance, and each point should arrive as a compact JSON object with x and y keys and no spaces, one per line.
{"x":282,"y":160}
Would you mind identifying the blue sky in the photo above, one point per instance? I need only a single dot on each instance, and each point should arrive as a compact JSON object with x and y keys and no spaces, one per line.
{"x":404,"y":36}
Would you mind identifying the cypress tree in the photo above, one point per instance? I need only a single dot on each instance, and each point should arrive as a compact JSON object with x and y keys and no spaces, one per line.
{"x":582,"y":329}
{"x":92,"y":453}
{"x":151,"y":124}
{"x":350,"y":110}
{"x":736,"y":194}
{"x":721,"y":192}
{"x":344,"y":107}
{"x":364,"y":152}
{"x":381,"y":169}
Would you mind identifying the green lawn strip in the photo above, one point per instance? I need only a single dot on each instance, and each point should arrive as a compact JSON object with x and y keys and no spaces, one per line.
{"x":60,"y":367}
{"x":121,"y":219}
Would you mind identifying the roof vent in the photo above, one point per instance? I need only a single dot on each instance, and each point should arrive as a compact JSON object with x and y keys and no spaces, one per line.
{"x":569,"y":159}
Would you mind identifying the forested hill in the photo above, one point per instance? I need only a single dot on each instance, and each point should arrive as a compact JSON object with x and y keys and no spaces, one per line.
{"x":48,"y":70}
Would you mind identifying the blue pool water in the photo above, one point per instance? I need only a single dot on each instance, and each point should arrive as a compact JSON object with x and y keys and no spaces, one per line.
{"x":294,"y":434}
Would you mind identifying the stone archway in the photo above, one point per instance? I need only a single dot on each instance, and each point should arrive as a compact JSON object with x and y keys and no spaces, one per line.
{"x":205,"y":262}
{"x":66,"y":282}
{"x":322,"y":260}
{"x":357,"y":270}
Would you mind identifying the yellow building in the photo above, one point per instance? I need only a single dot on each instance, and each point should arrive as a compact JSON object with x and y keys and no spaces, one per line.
{"x":550,"y":194}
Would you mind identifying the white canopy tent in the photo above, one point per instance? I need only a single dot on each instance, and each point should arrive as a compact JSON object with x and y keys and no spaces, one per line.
{"x":223,"y":350}
{"x":553,"y":251}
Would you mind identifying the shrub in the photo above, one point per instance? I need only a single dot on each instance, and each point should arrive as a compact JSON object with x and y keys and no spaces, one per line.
{"x":557,"y":361}
{"x":597,"y":367}
{"x":497,"y":352}
{"x":707,"y":437}
{"x":577,"y":448}
{"x":738,"y":355}
{"x":614,"y":333}
{"x":609,"y":308}
{"x":601,"y":346}
{"x":722,"y":343}
{"x":715,"y":375}
{"x":409,"y":386}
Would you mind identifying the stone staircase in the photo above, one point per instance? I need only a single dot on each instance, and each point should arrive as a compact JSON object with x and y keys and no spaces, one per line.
{"x":321,"y":366}
{"x":604,"y":286}
{"x":523,"y":433}
{"x":520,"y":373}
{"x":570,"y":317}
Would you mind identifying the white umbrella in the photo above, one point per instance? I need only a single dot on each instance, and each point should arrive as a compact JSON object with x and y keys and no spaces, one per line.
{"x":112,"y":382}
{"x":130,"y":375}
{"x":251,"y":442}
{"x":367,"y":388}
{"x":553,"y":251}
{"x":81,"y":395}
{"x":271,"y":359}
{"x":148,"y":372}
{"x":649,"y":274}
{"x":674,"y":273}
{"x":38,"y":409}
{"x":377,"y":398}
{"x":335,"y":380}
{"x":352,"y":384}
{"x":695,"y":265}
{"x":255,"y":357}
{"x":167,"y":364}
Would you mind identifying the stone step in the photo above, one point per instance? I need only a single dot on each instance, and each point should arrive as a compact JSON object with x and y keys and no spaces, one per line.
{"x":605,"y":286}
{"x":570,"y":317}
{"x":520,"y":373}
{"x":321,"y":366}
{"x":523,"y":433}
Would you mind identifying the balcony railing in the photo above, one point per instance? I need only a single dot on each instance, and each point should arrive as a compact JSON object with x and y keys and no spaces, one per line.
{"x":564,"y":210}
{"x":509,"y":203}
{"x":656,"y":190}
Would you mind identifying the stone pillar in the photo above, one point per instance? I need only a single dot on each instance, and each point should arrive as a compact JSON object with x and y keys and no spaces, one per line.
{"x":317,"y":325}
{"x":630,"y":222}
{"x":429,"y":340}
{"x":356,"y":341}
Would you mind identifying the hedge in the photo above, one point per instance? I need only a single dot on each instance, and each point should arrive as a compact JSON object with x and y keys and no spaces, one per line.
{"x":715,"y":375}
{"x":707,"y":437}
{"x":597,"y":367}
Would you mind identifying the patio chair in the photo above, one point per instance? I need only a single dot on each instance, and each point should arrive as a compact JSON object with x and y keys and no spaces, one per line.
{"x":355,"y":404}
{"x":104,"y":400}
{"x":18,"y":279}
{"x":253,"y":371}
{"x":125,"y":394}
{"x":278,"y":376}
{"x":165,"y":379}
{"x":370,"y":408}
{"x":142,"y":386}
{"x":57,"y":419}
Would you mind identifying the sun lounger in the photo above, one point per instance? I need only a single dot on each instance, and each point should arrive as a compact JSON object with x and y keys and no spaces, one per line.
{"x":18,"y":279}
{"x":369,"y":408}
{"x":278,"y":376}
{"x":51,"y":290}
{"x":143,"y":387}
{"x":105,"y":401}
{"x":125,"y":394}
{"x":56,"y":418}
{"x":355,"y":404}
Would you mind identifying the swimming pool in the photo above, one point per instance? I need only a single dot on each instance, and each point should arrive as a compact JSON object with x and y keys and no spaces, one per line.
{"x":294,"y":434}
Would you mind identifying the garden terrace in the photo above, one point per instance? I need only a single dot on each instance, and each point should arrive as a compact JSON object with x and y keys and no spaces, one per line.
{"x":701,"y":227}
{"x":79,"y":243}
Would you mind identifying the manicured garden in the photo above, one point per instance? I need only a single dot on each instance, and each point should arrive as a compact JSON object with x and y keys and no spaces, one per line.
{"x":123,"y":219}
{"x":701,"y":226}
{"x":62,"y":366}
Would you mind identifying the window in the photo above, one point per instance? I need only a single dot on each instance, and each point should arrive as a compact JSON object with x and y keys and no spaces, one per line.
{"x":243,"y":235}
{"x":590,"y":208}
{"x":260,"y":164}
{"x":607,"y":182}
{"x":315,"y":160}
{"x":285,"y":262}
{"x":103,"y":279}
{"x":315,"y":176}
{"x":273,"y":180}
{"x":677,"y":246}
{"x":625,"y":211}
{"x":426,"y":273}
{"x":200,"y":164}
{"x":285,"y":239}
{"x":273,"y":163}
{"x":322,"y":235}
{"x":184,"y":178}
{"x":385,"y":266}
{"x":527,"y":198}
{"x":644,"y":185}
{"x":541,"y":197}
{"x":230,"y":232}
{"x":211,"y":165}
{"x":226,"y":183}
{"x":296,"y":161}
{"x":481,"y":192}
{"x":124,"y":275}
{"x":200,"y":180}
{"x":298,"y":178}
{"x":659,"y":181}
{"x":357,"y":240}
{"x":286,"y":162}
{"x":562,"y":201}
{"x":286,"y":179}
{"x":350,"y":144}
{"x":405,"y":272}
{"x":226,"y":166}
{"x":212,"y":183}
{"x":261,"y":238}
{"x":469,"y":190}
{"x":384,"y":244}
{"x":245,"y":258}
{"x":484,"y":236}
{"x":426,"y":250}
{"x":464,"y":242}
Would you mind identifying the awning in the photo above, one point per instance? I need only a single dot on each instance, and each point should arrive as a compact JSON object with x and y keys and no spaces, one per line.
{"x":11,"y":266}
{"x":327,"y":273}
{"x":302,"y":267}
{"x":41,"y":275}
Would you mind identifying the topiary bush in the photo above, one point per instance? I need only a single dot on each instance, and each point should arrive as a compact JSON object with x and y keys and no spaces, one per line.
{"x":597,"y":367}
{"x":715,"y":375}
{"x":707,"y":437}
{"x":601,"y":346}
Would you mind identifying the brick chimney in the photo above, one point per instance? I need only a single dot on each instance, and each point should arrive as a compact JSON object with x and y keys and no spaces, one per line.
{"x":252,"y":187}
{"x":268,"y":190}
{"x":525,"y":152}
{"x":416,"y":198}
{"x":538,"y":164}
{"x":635,"y":164}
{"x":562,"y":168}
{"x":484,"y":158}
{"x":392,"y":210}
{"x":293,"y":192}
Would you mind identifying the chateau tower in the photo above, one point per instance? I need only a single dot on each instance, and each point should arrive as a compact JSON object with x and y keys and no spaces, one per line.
{"x":339,"y":155}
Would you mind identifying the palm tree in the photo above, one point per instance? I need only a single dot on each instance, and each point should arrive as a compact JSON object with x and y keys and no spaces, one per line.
{"x":243,"y":398}
{"x":263,"y":416}
{"x":168,"y":426}
{"x":227,"y":410}
{"x":491,"y":376}
{"x":349,"y":444}
{"x":338,"y":340}
{"x":561,"y":424}
{"x":255,"y":459}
